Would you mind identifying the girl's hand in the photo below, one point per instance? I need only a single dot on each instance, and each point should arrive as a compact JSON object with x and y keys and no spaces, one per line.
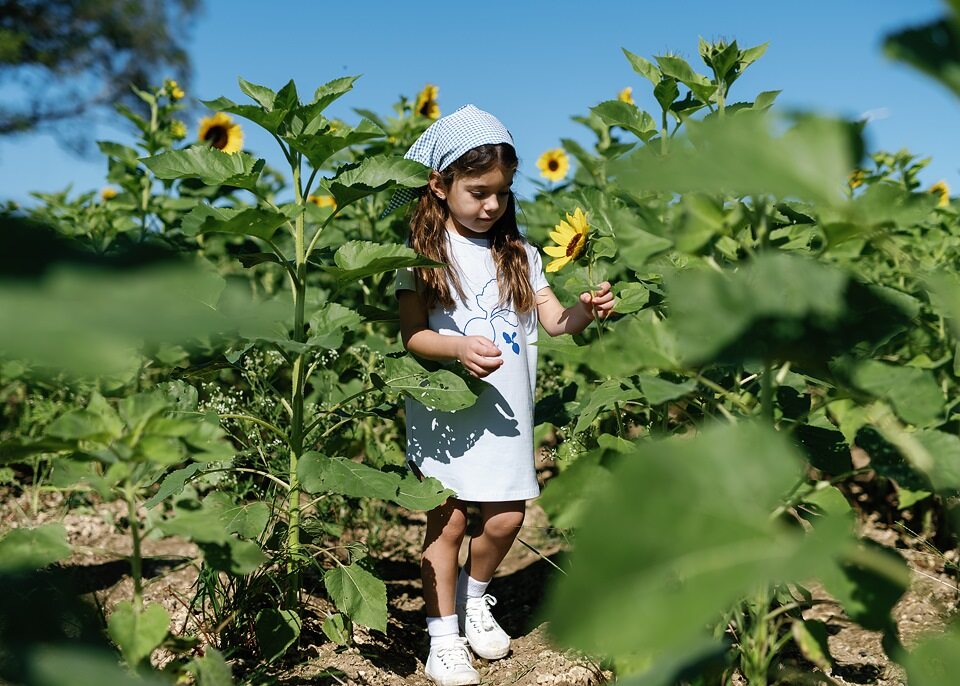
{"x":598,"y":305}
{"x":479,"y":355}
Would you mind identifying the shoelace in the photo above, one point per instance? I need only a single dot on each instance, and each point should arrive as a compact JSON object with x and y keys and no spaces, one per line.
{"x":455,"y":654}
{"x":487,"y":622}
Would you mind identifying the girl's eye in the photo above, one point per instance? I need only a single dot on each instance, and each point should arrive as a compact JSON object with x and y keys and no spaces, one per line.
{"x":476,"y":194}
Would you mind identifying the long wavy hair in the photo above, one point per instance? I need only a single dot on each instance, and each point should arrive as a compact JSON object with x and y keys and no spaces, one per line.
{"x":428,"y":235}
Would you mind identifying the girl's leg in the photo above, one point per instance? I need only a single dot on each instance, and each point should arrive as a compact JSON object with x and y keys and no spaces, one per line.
{"x":501,"y":524}
{"x":446,"y":525}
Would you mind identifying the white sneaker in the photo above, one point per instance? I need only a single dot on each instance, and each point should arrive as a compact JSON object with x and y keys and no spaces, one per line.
{"x":481,"y":630}
{"x":451,"y":664}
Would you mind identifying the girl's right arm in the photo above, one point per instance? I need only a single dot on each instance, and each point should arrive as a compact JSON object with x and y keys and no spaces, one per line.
{"x":478,"y":354}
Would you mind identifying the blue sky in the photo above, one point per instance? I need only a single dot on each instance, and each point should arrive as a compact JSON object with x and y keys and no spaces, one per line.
{"x":535,"y":64}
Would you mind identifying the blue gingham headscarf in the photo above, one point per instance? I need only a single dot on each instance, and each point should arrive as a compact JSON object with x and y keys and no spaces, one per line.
{"x":446,"y":139}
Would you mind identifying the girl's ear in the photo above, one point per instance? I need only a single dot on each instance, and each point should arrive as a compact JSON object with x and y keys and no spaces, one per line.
{"x":436,"y":185}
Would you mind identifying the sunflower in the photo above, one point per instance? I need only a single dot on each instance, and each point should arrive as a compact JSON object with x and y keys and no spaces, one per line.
{"x":322,"y":200}
{"x":940,"y":188}
{"x":855,"y":179}
{"x":571,"y":239}
{"x":173,"y":90}
{"x":220,"y":132}
{"x":427,"y":102}
{"x":108,"y":193}
{"x":626,"y":95}
{"x":554,"y":164}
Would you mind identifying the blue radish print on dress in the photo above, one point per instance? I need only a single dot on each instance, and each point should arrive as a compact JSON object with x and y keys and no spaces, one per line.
{"x":492,"y":311}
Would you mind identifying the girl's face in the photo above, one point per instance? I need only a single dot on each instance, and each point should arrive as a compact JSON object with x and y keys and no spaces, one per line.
{"x":475,"y":203}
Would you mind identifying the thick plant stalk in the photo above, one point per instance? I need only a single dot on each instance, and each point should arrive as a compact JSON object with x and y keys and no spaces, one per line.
{"x":296,"y":429}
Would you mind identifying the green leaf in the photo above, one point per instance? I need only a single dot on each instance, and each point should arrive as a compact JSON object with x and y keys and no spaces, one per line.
{"x":27,"y":549}
{"x":85,"y":665}
{"x":359,"y":259}
{"x":321,"y":474}
{"x":567,"y":496}
{"x":935,"y":661}
{"x":914,"y":393}
{"x":658,"y":585}
{"x":138,"y":634}
{"x":272,"y":121}
{"x":375,"y":174}
{"x":626,"y":116}
{"x":212,"y":669}
{"x":328,"y":324}
{"x":212,"y":166}
{"x":869,"y":588}
{"x":332,"y":90}
{"x":335,"y":628}
{"x":657,"y":390}
{"x":933,"y":49}
{"x":250,"y":221}
{"x":811,"y":637}
{"x":644,"y":67}
{"x":677,"y":68}
{"x":631,"y":297}
{"x":276,"y":631}
{"x":425,"y":495}
{"x":439,"y":390}
{"x":358,"y":594}
{"x":739,"y":155}
{"x":603,"y":397}
{"x":234,"y":556}
{"x":318,"y":148}
{"x":172,"y":484}
{"x":633,"y":343}
{"x":777,"y":307}
{"x":263,"y":95}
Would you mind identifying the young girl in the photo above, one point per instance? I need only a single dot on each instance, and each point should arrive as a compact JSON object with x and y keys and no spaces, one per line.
{"x":482,"y":311}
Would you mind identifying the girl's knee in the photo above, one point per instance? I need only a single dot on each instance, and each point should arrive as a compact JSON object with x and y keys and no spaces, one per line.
{"x":504,"y":524}
{"x":448,"y":524}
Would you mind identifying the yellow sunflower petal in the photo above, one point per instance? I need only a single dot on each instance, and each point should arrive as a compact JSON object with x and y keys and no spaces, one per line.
{"x":557,"y":265}
{"x":559,"y":238}
{"x":556,"y":250}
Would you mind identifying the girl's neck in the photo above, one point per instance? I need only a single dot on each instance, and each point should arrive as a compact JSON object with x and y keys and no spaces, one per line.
{"x":456,"y":228}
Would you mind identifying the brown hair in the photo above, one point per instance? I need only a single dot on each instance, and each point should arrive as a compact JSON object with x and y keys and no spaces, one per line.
{"x":428,"y":235}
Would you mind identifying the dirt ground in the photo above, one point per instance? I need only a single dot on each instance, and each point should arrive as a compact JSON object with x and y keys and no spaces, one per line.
{"x":396,"y":658}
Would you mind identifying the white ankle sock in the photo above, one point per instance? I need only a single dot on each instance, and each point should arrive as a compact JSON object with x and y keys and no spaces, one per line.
{"x":468,"y":587}
{"x":442,"y":629}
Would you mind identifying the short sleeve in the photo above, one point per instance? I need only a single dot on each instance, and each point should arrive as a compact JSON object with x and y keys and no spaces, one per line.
{"x":406,"y":280}
{"x":537,"y":278}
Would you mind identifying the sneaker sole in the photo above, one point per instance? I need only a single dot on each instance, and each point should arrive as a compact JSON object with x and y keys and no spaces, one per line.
{"x":490,"y":656}
{"x":462,"y":681}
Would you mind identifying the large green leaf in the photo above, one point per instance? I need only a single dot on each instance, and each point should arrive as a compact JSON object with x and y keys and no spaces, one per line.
{"x":935,"y":661}
{"x":321,"y":474}
{"x":27,"y":549}
{"x":250,"y":221}
{"x":276,"y":631}
{"x":626,"y":116}
{"x":327,"y":325}
{"x":635,"y":342}
{"x":359,"y":259}
{"x":657,"y":390}
{"x":358,"y":594}
{"x":932,"y":48}
{"x":649,"y":573}
{"x":83,"y":665}
{"x":138,"y":633}
{"x":212,"y":669}
{"x":233,"y":556}
{"x":319,"y":148}
{"x":603,"y":397}
{"x":375,"y":174}
{"x":568,"y":495}
{"x":414,"y":494}
{"x":914,"y":393}
{"x":439,"y":390}
{"x":778,"y":306}
{"x":212,"y":166}
{"x":739,"y":155}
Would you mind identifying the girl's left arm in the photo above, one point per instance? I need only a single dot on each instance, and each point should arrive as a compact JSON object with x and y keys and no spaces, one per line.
{"x":557,"y":319}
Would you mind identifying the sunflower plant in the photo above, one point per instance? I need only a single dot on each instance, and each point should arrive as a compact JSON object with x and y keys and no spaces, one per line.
{"x":298,"y":239}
